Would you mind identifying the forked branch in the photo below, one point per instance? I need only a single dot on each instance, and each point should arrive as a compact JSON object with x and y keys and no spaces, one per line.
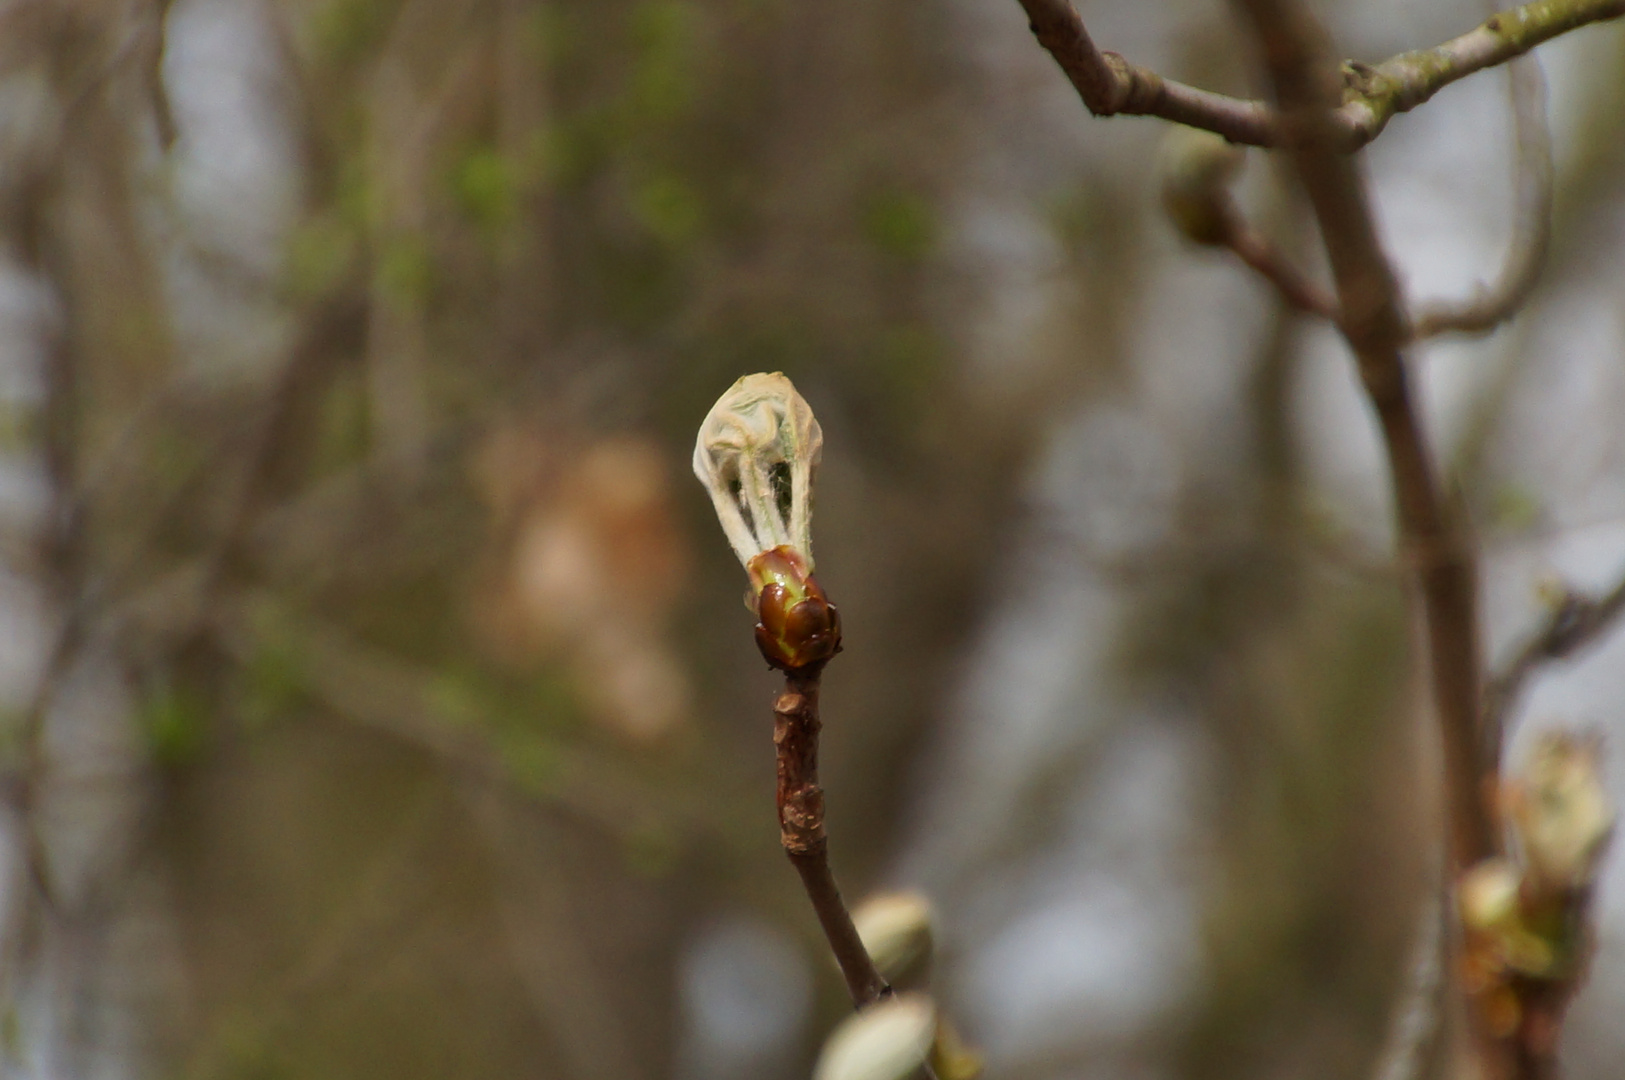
{"x":1575,"y":622}
{"x":1301,"y":68}
{"x":1370,"y":96}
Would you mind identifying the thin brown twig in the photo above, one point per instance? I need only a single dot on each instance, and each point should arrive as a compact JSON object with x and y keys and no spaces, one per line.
{"x":1369,"y":97}
{"x":801,"y":829}
{"x":1261,"y":255}
{"x":1575,"y":622}
{"x":1532,"y":231}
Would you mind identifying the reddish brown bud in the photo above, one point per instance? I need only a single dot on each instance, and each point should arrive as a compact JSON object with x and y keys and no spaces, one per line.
{"x":796,"y":624}
{"x":793,"y":636}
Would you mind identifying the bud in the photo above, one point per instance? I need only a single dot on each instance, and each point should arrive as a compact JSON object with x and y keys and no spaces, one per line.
{"x":1500,"y":935}
{"x":952,"y":1058}
{"x":897,"y":933}
{"x":757,"y":453}
{"x":1488,"y":895}
{"x":889,"y":1040}
{"x":1560,"y":811}
{"x":1196,"y":169}
{"x":796,"y":624}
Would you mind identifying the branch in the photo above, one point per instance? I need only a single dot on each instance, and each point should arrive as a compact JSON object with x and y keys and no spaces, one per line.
{"x":1416,"y":1025}
{"x":1531,"y":235}
{"x":1110,"y":85}
{"x":1370,"y":97}
{"x":1258,"y":252}
{"x":1301,"y":67}
{"x":801,"y":829}
{"x":1576,"y":622}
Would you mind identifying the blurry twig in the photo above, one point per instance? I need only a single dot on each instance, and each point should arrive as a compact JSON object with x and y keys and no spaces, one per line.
{"x":1302,"y":69}
{"x":1260,"y":253}
{"x":1531,"y":237}
{"x":1369,"y":98}
{"x":1110,"y":85}
{"x":1417,"y":1023}
{"x":1575,"y":621}
{"x":375,"y":690}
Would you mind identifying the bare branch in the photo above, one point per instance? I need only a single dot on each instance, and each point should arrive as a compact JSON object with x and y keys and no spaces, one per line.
{"x":1532,"y":232}
{"x":1576,"y":622}
{"x":1257,"y":251}
{"x":1417,"y":1022}
{"x":1370,"y":97}
{"x":1298,"y":56}
{"x":1110,"y":85}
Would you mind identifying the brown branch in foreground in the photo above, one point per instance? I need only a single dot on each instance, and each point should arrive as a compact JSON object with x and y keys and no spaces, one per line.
{"x":1576,"y":622}
{"x":1416,"y":1027}
{"x":1370,"y":97}
{"x":1302,"y":69}
{"x":1532,"y":231}
{"x":801,"y":829}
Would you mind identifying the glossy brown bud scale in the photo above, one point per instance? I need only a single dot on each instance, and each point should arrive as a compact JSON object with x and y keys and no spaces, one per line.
{"x":796,"y":635}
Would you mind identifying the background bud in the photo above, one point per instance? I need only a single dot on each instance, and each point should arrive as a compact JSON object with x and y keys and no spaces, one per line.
{"x":1561,"y":812}
{"x":889,"y":1040}
{"x":896,"y":929}
{"x":1196,"y":168}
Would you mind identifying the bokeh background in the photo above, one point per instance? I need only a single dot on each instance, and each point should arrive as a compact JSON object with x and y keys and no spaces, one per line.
{"x":377,"y":699}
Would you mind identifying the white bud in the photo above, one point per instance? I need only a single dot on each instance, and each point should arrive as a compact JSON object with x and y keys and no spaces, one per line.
{"x":889,"y":1040}
{"x":896,"y":929}
{"x":757,"y":452}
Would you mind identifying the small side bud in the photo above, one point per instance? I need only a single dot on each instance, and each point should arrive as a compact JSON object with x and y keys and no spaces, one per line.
{"x":1196,"y":168}
{"x":896,"y":929}
{"x":1488,"y":895}
{"x":889,"y":1040}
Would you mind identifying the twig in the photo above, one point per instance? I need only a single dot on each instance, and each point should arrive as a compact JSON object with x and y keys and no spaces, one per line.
{"x":1110,"y":85}
{"x":1532,"y":233}
{"x":1258,"y":252}
{"x":1413,"y":1033}
{"x":1298,"y":56}
{"x":1371,"y":96}
{"x":801,"y":829}
{"x":1576,"y":622}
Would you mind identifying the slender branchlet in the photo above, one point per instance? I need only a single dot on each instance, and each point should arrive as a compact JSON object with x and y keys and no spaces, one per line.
{"x":1198,"y":168}
{"x":1370,"y":95}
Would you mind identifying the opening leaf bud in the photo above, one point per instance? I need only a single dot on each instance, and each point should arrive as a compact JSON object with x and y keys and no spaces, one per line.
{"x":1561,"y":812}
{"x":896,"y":929}
{"x":889,"y":1040}
{"x":757,"y":453}
{"x":1196,"y":169}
